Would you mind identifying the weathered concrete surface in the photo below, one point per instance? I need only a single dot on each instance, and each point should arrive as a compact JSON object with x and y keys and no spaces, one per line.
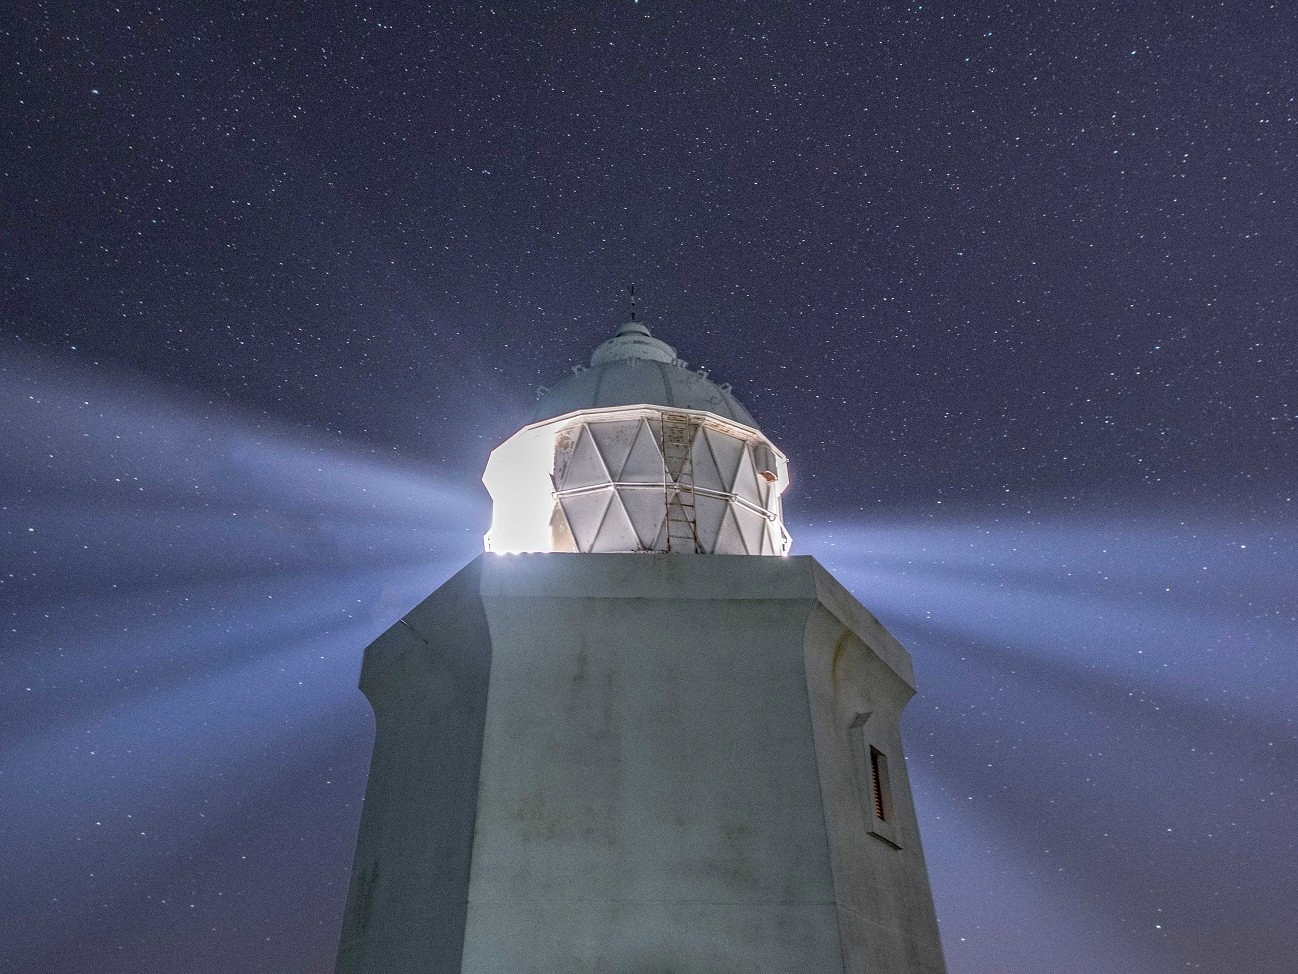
{"x":655,"y":743}
{"x":426,"y":678}
{"x":859,"y":678}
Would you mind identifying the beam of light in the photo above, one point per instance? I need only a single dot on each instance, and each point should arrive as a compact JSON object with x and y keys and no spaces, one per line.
{"x":1105,"y":717}
{"x":1103,"y":748}
{"x":185,"y":596}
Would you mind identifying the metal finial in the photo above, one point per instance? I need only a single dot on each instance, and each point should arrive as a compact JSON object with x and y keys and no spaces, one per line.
{"x":633,"y":302}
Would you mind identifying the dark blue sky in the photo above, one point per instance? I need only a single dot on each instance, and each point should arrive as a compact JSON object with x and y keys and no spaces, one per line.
{"x":1012,"y":285}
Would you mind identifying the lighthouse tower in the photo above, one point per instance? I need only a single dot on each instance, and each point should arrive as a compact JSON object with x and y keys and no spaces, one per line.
{"x":594,"y":754}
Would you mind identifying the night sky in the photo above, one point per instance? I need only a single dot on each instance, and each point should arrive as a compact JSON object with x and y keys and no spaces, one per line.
{"x":1013,"y":285}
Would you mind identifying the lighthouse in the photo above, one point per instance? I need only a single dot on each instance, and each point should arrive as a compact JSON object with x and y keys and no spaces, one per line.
{"x":637,"y":735}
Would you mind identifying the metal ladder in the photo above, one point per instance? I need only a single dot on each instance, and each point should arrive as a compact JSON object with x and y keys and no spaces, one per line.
{"x":678,"y":492}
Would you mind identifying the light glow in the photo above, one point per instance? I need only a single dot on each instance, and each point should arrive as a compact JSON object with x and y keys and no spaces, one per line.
{"x":637,"y":478}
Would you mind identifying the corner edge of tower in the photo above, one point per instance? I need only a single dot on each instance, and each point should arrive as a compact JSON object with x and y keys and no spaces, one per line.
{"x":844,"y":606}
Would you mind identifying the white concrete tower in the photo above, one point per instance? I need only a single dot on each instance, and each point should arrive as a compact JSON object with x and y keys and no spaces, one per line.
{"x":594,"y":755}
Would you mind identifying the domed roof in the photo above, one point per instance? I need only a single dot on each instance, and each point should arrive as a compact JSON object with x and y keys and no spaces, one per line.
{"x":634,"y":368}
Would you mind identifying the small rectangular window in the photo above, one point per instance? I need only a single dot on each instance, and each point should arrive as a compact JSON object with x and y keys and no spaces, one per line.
{"x":874,"y":785}
{"x":879,"y":785}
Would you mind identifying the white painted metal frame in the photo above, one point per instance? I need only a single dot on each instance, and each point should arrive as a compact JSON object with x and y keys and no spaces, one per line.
{"x":606,"y":480}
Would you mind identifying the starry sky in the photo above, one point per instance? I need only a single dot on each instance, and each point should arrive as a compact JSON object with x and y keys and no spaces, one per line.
{"x":1013,"y":285}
